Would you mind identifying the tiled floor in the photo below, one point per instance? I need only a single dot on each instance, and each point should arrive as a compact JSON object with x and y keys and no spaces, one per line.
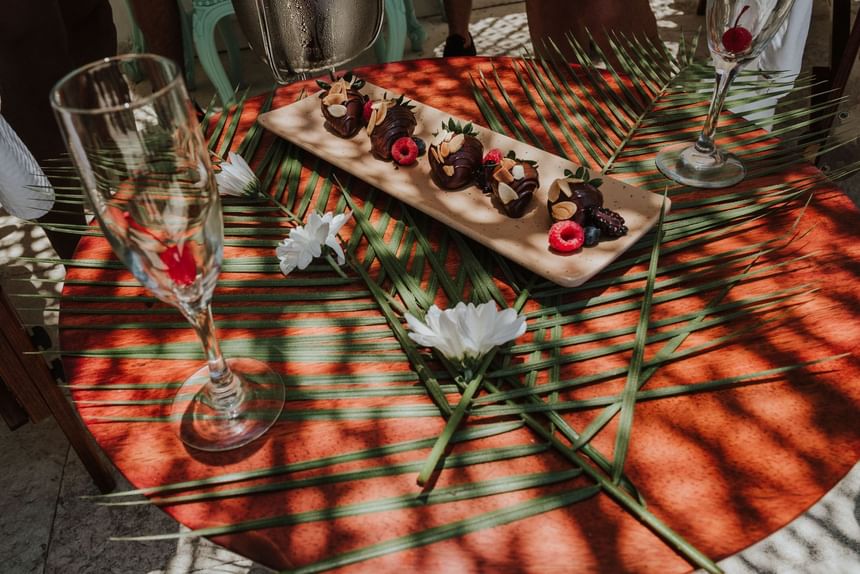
{"x":46,"y":527}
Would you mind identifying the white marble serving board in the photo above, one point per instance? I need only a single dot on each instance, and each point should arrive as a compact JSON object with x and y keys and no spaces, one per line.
{"x":469,"y":211}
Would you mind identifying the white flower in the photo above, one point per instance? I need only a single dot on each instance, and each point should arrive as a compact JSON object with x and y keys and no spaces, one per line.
{"x":335,"y":222}
{"x":466,"y":331}
{"x":236,"y":177}
{"x":306,"y":242}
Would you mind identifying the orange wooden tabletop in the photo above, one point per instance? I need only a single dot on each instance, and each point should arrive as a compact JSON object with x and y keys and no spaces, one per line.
{"x":723,"y":469}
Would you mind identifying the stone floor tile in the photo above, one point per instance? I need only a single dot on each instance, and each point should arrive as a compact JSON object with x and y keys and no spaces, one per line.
{"x":31,"y":470}
{"x":80,"y":541}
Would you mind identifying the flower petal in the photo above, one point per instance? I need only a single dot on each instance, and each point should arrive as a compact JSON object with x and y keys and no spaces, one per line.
{"x":236,"y":177}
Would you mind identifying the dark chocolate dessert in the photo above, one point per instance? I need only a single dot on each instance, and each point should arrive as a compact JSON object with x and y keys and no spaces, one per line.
{"x":342,"y":105}
{"x":513,"y":181}
{"x":389,"y":121}
{"x":571,"y":197}
{"x":455,"y":156}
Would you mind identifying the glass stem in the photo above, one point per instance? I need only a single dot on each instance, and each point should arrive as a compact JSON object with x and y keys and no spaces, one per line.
{"x":724,"y":78}
{"x":224,"y":391}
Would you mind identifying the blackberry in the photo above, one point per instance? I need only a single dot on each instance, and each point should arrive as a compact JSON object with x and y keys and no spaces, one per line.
{"x":606,"y":220}
{"x":422,"y":147}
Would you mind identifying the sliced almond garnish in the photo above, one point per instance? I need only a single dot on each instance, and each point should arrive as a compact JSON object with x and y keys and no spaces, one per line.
{"x":456,"y":143}
{"x":518,"y":172}
{"x":444,"y":150}
{"x":508,"y":163}
{"x":336,"y":98}
{"x":503,"y":175}
{"x":564,"y":210}
{"x":337,"y":110}
{"x":435,"y":153}
{"x":440,"y":137}
{"x":554,"y":191}
{"x":507,"y":193}
{"x":371,"y":121}
{"x":380,"y":113}
{"x":448,"y":169}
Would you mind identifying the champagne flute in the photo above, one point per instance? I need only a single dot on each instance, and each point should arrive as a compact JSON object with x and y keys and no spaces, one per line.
{"x":738,"y":31}
{"x":133,"y":135}
{"x":298,"y":37}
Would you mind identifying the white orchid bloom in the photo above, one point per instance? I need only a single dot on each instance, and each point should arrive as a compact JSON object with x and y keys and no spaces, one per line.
{"x":466,"y":331}
{"x":236,"y":177}
{"x":307,"y":241}
{"x":335,"y":222}
{"x":304,"y":243}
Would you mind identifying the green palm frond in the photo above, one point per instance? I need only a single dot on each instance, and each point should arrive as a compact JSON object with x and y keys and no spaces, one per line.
{"x":620,"y":117}
{"x":398,"y":261}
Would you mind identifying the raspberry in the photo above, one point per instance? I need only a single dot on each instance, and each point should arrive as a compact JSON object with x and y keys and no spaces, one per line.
{"x":566,"y":236}
{"x":404,"y":151}
{"x":493,"y":156}
{"x":368,"y":109}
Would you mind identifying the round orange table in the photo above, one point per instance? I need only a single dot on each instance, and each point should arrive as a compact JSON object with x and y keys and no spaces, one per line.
{"x":722,"y":469}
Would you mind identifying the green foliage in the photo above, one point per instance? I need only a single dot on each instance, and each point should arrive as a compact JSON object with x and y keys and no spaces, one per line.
{"x":456,"y":127}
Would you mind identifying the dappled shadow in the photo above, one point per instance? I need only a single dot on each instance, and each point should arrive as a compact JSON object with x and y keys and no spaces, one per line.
{"x":722,"y":468}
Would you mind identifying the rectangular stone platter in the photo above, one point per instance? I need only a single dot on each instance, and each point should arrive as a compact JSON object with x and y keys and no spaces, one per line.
{"x":469,"y":211}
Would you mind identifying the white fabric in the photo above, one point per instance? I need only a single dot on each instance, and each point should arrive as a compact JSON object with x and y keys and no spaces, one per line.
{"x":783,"y":54}
{"x":25,"y":192}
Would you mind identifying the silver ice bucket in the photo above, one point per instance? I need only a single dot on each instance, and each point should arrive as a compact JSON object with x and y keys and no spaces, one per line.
{"x":299,"y":36}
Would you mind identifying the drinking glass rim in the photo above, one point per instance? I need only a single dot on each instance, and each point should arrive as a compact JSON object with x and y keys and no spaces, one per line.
{"x":174,"y":70}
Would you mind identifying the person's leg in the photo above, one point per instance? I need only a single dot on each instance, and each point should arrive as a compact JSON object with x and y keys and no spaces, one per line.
{"x":459,"y":42}
{"x":37,"y":48}
{"x":555,"y":19}
{"x":90,"y":30}
{"x":33,"y":57}
{"x":550,"y":24}
{"x":160,"y":23}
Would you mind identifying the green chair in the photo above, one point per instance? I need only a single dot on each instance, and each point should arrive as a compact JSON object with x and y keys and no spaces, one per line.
{"x":400,"y":22}
{"x":199,"y":21}
{"x":202,"y":17}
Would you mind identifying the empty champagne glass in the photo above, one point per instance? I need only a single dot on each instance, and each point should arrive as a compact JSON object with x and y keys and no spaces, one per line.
{"x":133,"y":135}
{"x":738,"y":31}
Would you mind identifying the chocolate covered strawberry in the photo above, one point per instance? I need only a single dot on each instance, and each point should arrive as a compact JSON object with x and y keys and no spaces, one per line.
{"x":388,"y":122}
{"x":455,"y":155}
{"x":342,"y":105}
{"x":513,"y":182}
{"x":570,"y":197}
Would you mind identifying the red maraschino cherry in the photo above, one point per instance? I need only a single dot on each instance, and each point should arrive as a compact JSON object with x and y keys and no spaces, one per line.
{"x":181,"y":265}
{"x":737,"y":38}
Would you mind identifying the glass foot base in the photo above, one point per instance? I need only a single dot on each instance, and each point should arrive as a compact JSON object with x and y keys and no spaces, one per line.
{"x":682,"y":163}
{"x":202,"y":427}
